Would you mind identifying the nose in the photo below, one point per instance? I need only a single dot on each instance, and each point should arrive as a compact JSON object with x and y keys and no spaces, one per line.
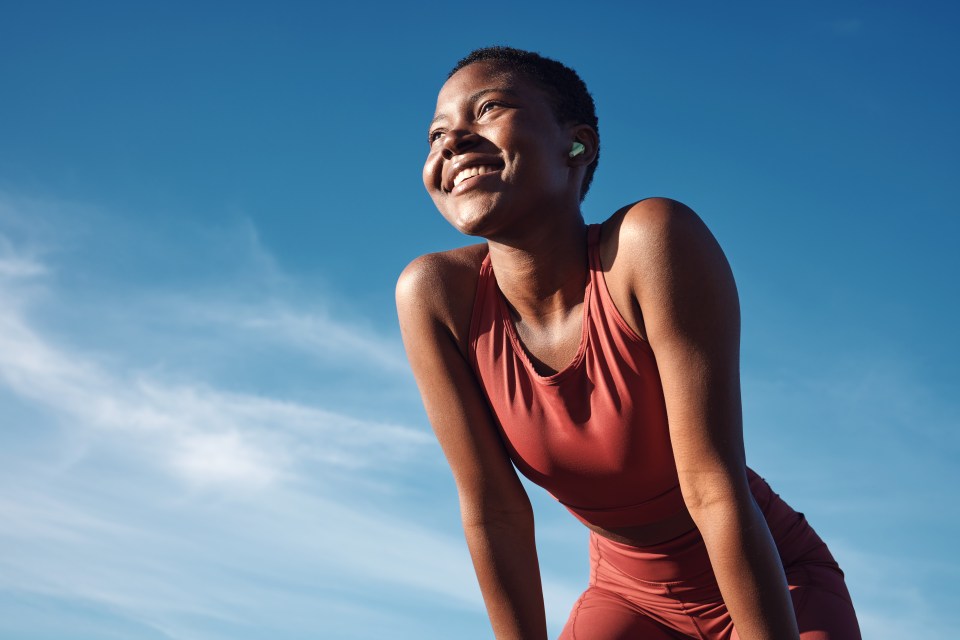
{"x":456,"y":141}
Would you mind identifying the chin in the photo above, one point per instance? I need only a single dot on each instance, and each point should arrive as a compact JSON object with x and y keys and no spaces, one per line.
{"x":477,"y":221}
{"x":469,"y":225}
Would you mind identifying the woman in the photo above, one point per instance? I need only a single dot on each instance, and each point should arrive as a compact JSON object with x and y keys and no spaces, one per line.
{"x":602,"y":361}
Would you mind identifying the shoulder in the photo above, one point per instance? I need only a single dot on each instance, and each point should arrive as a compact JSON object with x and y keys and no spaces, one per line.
{"x":656,"y":221}
{"x":660,"y":238}
{"x":437,"y":279}
{"x":440,"y":288}
{"x":667,"y":271}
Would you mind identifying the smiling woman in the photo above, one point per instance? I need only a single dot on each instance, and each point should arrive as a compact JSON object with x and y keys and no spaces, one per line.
{"x":603,"y":363}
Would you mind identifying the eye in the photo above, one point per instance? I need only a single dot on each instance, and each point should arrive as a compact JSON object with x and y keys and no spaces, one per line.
{"x":486,"y":107}
{"x":434,"y":135}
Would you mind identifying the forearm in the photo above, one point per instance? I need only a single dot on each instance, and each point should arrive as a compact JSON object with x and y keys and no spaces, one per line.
{"x":505,"y":558}
{"x":748,"y":570}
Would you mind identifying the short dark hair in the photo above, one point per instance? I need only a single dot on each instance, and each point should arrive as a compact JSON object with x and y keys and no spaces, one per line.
{"x":571,"y":100}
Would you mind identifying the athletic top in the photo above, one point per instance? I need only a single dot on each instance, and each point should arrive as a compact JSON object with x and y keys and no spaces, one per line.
{"x":594,"y":434}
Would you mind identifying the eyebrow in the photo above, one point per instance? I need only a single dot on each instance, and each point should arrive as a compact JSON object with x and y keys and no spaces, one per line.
{"x":476,"y":96}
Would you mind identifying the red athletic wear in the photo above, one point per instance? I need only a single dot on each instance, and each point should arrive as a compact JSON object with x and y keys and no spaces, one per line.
{"x":595,"y":436}
{"x":669,"y":590}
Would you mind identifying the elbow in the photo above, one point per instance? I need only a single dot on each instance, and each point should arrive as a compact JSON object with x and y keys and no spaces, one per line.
{"x":699,"y":499}
{"x":714,"y":498}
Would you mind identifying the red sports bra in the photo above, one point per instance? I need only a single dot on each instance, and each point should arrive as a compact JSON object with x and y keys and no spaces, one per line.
{"x":593,"y":434}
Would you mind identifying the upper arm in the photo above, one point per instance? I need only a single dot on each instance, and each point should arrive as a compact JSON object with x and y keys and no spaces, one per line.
{"x":686,"y":291}
{"x":434,"y":316}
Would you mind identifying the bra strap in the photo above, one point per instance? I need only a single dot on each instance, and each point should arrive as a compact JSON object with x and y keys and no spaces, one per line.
{"x":593,"y":234}
{"x":593,"y":249}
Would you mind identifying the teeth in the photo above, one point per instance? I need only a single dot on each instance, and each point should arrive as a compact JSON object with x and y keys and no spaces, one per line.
{"x":470,"y":172}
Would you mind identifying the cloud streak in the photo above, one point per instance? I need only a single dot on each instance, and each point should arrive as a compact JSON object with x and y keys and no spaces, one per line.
{"x":182,"y":507}
{"x":202,"y":434}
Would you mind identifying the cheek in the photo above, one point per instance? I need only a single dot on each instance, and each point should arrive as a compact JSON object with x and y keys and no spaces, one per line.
{"x":431,"y":173}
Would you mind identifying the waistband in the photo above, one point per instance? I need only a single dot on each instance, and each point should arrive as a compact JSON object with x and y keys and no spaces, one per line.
{"x":681,"y":559}
{"x":685,"y":558}
{"x":668,"y":503}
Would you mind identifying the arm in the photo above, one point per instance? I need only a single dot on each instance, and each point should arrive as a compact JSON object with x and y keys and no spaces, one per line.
{"x":496,"y":513}
{"x":688,"y":298}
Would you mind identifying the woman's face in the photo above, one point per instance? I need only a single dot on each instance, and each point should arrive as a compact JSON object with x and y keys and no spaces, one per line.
{"x":496,"y":151}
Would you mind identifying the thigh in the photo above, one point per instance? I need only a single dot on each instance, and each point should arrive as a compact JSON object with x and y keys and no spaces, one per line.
{"x":822,"y":604}
{"x":602,"y":615}
{"x":820,"y":597}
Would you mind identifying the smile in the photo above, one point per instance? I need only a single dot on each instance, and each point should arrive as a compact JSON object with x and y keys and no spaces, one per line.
{"x":472,"y":172}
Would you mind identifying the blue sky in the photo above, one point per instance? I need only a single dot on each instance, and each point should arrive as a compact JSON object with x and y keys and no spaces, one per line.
{"x":207,"y":427}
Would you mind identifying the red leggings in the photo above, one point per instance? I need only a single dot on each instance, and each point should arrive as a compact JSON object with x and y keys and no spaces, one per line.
{"x":669,"y":590}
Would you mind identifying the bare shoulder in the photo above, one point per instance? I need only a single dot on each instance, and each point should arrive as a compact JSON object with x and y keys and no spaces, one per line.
{"x":653,"y":222}
{"x":666,"y":272}
{"x":441,"y":287}
{"x":659,"y":237}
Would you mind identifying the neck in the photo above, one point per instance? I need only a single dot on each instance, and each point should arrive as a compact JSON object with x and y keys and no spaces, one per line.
{"x":542,"y":273}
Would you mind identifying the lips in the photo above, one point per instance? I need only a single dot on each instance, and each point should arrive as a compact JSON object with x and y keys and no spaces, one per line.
{"x":467,"y":168}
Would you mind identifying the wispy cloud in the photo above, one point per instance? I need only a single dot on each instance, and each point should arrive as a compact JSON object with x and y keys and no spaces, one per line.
{"x":312,"y":332}
{"x":203,"y":434}
{"x":179,"y":505}
{"x":16,"y":266}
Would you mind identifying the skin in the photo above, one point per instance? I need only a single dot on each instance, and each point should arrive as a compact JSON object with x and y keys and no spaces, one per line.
{"x":673,"y":286}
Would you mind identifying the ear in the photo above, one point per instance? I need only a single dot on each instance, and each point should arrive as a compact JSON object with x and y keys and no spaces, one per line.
{"x":587,"y":136}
